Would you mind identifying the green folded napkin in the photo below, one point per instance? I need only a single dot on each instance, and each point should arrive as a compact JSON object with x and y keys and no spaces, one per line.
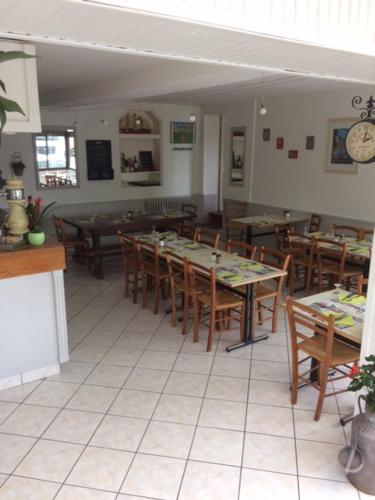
{"x":192,"y":246}
{"x":328,"y":313}
{"x":352,"y":299}
{"x":360,"y":250}
{"x":345,"y":321}
{"x":228,"y":276}
{"x":252,"y":266}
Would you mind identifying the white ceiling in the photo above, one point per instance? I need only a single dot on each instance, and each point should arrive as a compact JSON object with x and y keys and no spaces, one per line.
{"x":93,"y":55}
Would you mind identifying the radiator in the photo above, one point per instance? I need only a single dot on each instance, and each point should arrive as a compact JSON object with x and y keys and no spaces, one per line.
{"x":161,"y":204}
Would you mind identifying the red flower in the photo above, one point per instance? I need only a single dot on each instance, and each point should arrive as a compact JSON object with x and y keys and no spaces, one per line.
{"x":354,"y":371}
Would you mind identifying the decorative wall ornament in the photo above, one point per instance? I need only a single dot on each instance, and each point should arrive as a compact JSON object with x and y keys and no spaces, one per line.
{"x":280,"y":143}
{"x":293,"y":153}
{"x":266,"y":134}
{"x":310,"y":142}
{"x":338,"y":161}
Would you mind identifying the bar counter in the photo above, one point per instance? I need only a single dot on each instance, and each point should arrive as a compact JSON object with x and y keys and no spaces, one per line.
{"x":33,"y":332}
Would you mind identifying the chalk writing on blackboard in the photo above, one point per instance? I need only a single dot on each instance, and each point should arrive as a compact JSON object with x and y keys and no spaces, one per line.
{"x":99,"y":160}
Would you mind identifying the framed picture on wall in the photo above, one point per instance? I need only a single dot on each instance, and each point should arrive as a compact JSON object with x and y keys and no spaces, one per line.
{"x":182,"y":133}
{"x":338,"y":161}
{"x":310,"y":142}
{"x":266,"y":134}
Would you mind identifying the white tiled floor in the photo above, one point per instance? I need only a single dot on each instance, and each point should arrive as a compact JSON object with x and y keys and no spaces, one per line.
{"x":142,"y":412}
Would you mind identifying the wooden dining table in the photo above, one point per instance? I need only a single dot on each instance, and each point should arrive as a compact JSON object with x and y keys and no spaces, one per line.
{"x":232,"y":271}
{"x":97,"y":226}
{"x":267,"y":222}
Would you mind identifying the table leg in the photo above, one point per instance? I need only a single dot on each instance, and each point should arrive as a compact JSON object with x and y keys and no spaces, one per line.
{"x":97,"y":268}
{"x":249,"y":334}
{"x":249,"y":234}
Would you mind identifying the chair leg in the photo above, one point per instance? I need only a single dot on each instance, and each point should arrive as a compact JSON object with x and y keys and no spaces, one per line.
{"x":323,"y":378}
{"x":196,"y":318}
{"x":135,"y":285}
{"x":174,"y":308}
{"x":157,"y":295}
{"x":144,"y":290}
{"x":309,"y":275}
{"x":294,"y":384}
{"x":211,"y":330}
{"x":242,"y":324}
{"x":126,"y":277}
{"x":291,"y":280}
{"x":186,"y":314}
{"x":275,"y":314}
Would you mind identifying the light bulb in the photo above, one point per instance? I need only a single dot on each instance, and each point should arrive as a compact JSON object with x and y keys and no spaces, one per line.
{"x":263,"y":110}
{"x":193,"y":118}
{"x":138,"y":121}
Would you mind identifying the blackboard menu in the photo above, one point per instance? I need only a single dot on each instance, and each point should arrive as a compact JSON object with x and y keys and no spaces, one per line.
{"x":99,"y":160}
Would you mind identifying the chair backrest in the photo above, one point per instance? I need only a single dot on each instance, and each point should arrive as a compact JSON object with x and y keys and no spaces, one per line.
{"x":190,"y":208}
{"x":243,"y":249}
{"x":199,"y":274}
{"x":367,"y":234}
{"x":234,"y":209}
{"x":128,"y":248}
{"x":207,"y":236}
{"x":275,"y":258}
{"x":361,"y":283}
{"x":315,"y":222}
{"x":186,"y":228}
{"x":149,"y":256}
{"x":301,"y":246}
{"x":305,"y":324}
{"x":327,"y":255}
{"x":60,"y":230}
{"x":352,"y":231}
{"x":281,"y":236}
{"x":176,"y":268}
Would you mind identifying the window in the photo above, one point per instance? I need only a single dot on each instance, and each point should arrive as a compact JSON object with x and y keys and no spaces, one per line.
{"x":55,"y":158}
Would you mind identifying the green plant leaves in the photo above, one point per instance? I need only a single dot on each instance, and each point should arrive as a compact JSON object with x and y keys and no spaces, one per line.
{"x":9,"y":105}
{"x":2,"y":86}
{"x":14,"y":54}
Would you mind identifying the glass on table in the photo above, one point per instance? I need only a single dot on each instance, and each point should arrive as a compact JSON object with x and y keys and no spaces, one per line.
{"x":338,"y":288}
{"x":235,"y":256}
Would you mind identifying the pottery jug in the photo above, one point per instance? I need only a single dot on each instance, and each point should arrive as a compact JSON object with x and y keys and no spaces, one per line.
{"x":363,"y":433}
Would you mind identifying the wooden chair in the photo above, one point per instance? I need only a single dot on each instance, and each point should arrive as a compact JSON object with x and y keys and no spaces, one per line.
{"x":151,"y":267}
{"x":130,"y":256}
{"x":302,"y":253}
{"x":332,"y":261}
{"x":243,"y":249}
{"x":179,"y":285}
{"x":367,"y":234}
{"x":186,"y":229}
{"x":264,"y":292}
{"x":312,"y":333}
{"x":281,"y":236}
{"x":210,"y":303}
{"x":234,"y":210}
{"x":190,"y":209}
{"x":352,"y":231}
{"x":207,"y":236}
{"x":74,"y":242}
{"x":315,"y":222}
{"x":362,"y":285}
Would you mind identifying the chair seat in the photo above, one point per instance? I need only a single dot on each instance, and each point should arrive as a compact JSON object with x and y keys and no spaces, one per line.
{"x":341,"y":353}
{"x":150,"y":269}
{"x":224,"y":299}
{"x":263,"y":292}
{"x":334,"y":268}
{"x":75,"y":241}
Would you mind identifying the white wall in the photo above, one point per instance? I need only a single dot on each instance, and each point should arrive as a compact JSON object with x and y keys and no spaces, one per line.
{"x":181,"y":170}
{"x":239,"y":114}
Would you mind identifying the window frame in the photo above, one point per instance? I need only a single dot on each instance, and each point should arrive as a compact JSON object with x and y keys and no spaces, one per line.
{"x":57,"y":131}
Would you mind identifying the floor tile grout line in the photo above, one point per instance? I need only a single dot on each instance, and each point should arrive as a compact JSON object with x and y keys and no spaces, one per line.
{"x":151,"y":417}
{"x":197,"y":421}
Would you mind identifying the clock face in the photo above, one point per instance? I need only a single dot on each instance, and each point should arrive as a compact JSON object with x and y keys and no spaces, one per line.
{"x":360,"y":142}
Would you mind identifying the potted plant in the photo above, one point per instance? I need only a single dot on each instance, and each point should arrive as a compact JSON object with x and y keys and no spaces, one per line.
{"x":37,"y":218}
{"x":364,"y":378}
{"x":7,"y":105}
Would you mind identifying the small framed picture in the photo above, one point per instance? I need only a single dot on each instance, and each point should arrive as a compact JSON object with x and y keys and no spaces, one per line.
{"x":266,"y":134}
{"x":338,"y":160}
{"x":293,"y":153}
{"x":310,"y":142}
{"x":280,"y":143}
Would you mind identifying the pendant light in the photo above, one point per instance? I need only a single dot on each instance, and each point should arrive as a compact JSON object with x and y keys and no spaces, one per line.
{"x":263,"y":109}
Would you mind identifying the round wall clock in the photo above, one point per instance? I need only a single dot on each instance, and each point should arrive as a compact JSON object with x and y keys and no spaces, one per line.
{"x":360,"y":141}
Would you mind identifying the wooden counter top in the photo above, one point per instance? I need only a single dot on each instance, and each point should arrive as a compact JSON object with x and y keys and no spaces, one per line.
{"x":32,"y":260}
